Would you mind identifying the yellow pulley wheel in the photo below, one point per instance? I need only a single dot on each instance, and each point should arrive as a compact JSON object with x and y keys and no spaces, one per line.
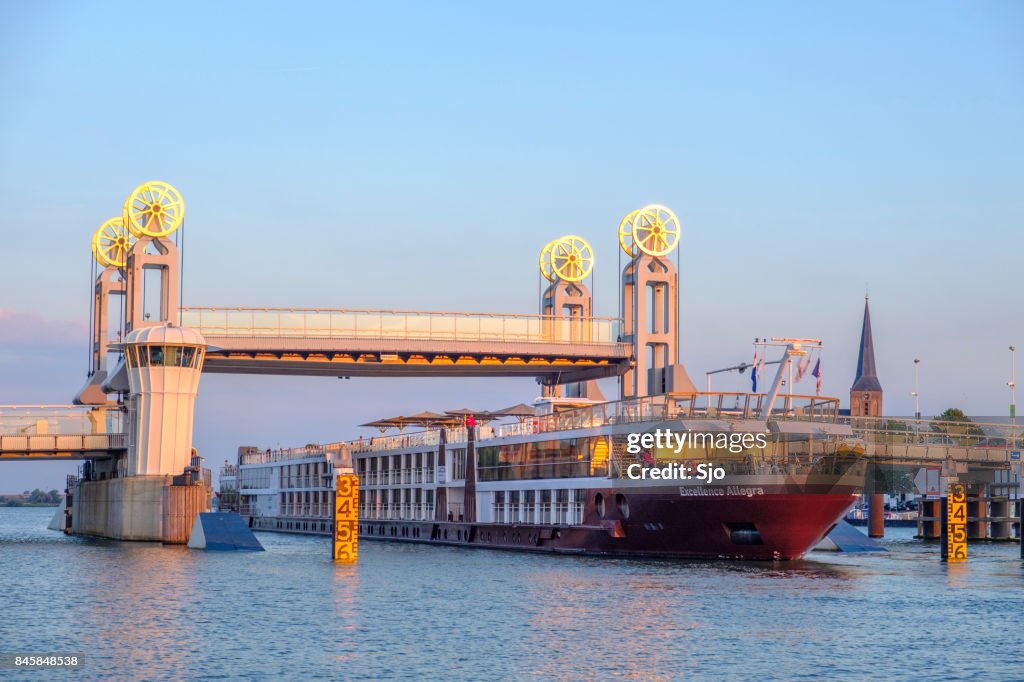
{"x":154,"y":209}
{"x":572,"y":259}
{"x":111,"y":243}
{"x":626,"y":234}
{"x":546,"y":267}
{"x":655,"y":230}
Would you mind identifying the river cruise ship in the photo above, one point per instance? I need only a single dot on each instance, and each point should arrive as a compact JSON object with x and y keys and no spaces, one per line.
{"x":688,"y":476}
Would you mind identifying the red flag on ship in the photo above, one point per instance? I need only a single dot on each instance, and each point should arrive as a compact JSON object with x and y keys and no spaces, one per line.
{"x":817,"y":375}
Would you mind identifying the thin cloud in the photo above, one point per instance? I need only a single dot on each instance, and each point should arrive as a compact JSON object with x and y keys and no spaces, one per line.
{"x":31,"y":328}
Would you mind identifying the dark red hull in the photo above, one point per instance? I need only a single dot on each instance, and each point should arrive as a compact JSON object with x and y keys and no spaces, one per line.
{"x":764,"y":527}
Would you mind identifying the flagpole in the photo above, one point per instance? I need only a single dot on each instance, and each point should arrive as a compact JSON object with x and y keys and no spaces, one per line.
{"x":790,"y":361}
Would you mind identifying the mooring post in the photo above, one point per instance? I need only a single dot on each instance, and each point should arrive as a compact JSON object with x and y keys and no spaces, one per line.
{"x":876,"y":515}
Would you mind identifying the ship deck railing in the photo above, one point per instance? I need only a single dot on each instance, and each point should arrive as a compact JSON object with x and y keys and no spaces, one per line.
{"x":283,"y":454}
{"x":721,"y":405}
{"x":306,"y":481}
{"x":396,"y":512}
{"x":557,"y":513}
{"x":306,"y":509}
{"x":426,"y":439}
{"x":727,"y":406}
{"x":420,"y":475}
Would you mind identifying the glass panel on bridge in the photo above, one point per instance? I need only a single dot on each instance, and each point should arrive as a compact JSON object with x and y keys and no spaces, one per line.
{"x":402,"y":325}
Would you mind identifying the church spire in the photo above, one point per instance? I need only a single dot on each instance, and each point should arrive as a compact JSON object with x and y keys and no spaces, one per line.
{"x":866,"y":379}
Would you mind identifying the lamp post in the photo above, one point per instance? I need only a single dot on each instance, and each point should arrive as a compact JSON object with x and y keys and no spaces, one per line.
{"x":917,"y":389}
{"x":1012,"y":383}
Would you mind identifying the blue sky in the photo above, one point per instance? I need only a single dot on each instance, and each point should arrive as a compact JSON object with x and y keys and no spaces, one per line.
{"x":418,"y":156}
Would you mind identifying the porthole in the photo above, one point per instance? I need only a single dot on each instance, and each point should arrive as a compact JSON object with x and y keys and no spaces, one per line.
{"x":599,"y":504}
{"x":623,"y":504}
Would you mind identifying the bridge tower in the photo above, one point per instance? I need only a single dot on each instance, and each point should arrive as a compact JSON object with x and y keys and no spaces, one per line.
{"x":128,"y":247}
{"x":566,"y":304}
{"x":152,"y":213}
{"x":154,"y":491}
{"x":650,"y":303}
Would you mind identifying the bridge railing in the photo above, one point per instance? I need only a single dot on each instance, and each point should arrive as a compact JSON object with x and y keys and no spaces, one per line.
{"x":398,"y":324}
{"x":911,"y":439}
{"x":910,"y":431}
{"x":61,"y":442}
{"x":60,"y":419}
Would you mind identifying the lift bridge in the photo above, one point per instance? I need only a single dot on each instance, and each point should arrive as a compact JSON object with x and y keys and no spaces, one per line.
{"x":133,"y":419}
{"x":563,"y":346}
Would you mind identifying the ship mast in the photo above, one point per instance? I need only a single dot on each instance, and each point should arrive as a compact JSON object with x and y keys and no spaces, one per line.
{"x":793,"y":348}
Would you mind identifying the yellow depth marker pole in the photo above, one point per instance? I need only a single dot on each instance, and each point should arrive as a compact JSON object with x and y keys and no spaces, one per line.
{"x":346,"y":518}
{"x":956,"y":523}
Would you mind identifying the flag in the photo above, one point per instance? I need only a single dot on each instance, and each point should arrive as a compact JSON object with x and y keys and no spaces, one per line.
{"x":817,"y":375}
{"x":753,"y":373}
{"x":801,"y":368}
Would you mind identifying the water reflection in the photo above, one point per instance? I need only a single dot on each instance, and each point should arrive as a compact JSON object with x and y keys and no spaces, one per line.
{"x":151,"y":612}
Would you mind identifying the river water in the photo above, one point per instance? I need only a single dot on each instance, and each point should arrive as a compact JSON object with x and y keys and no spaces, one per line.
{"x":145,"y":611}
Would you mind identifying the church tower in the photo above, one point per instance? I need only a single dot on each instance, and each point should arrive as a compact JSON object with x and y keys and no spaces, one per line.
{"x":866,"y":392}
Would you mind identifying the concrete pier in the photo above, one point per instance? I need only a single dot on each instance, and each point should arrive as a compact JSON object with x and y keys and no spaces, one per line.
{"x":142,"y":508}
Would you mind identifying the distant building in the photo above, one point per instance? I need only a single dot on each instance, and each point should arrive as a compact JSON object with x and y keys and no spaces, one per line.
{"x":866,"y":392}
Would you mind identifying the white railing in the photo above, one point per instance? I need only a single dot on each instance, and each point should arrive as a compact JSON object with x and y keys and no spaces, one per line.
{"x":398,"y":324}
{"x":558,"y":513}
{"x":406,"y":512}
{"x":284,"y":454}
{"x":306,"y":481}
{"x":306,"y":509}
{"x":60,"y":419}
{"x":408,"y":440}
{"x":62,"y":442}
{"x":416,"y":476}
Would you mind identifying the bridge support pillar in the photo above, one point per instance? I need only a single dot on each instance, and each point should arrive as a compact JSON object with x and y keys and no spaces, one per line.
{"x":876,"y":515}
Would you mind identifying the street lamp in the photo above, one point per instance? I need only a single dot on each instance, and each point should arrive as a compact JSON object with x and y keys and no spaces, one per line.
{"x":1012,"y":383}
{"x":917,"y":391}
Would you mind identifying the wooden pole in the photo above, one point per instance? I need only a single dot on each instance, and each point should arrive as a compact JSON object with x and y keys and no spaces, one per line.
{"x":876,"y":515}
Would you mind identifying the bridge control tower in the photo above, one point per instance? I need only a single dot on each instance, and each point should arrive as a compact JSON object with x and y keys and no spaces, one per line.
{"x":164,"y":364}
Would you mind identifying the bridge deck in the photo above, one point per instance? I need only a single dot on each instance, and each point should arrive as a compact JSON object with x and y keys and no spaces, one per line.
{"x":407,"y":343}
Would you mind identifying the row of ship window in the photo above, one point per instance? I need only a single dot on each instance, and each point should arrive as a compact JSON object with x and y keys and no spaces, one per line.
{"x":301,"y":475}
{"x":560,"y":507}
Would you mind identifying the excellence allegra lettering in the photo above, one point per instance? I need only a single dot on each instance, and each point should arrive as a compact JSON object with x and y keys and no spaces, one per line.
{"x":731,"y":491}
